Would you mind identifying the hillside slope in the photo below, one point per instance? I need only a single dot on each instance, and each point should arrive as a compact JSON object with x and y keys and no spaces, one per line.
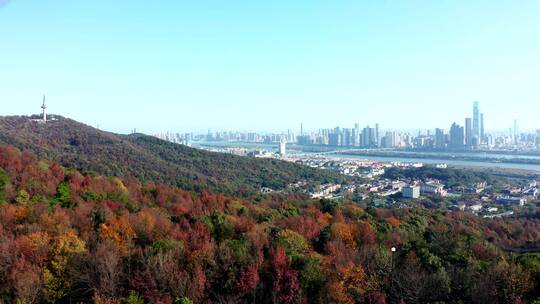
{"x":66,"y":237}
{"x":78,"y":146}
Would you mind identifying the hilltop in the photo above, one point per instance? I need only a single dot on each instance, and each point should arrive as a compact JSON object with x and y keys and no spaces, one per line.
{"x":87,"y":149}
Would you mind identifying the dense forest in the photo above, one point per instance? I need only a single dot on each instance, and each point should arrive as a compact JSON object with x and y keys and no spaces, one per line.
{"x":78,"y":146}
{"x":68,"y":237}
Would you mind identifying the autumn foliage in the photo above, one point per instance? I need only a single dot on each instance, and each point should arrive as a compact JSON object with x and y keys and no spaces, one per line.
{"x":69,"y":237}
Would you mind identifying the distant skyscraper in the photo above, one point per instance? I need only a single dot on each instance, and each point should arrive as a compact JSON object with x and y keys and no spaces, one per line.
{"x":301,"y":129}
{"x":390,"y":140}
{"x":346,"y":137}
{"x":368,"y":137}
{"x":457,"y":139}
{"x":440,"y":140}
{"x":387,"y":140}
{"x":356,"y":135}
{"x":476,"y":122}
{"x":468,"y":132}
{"x":516,"y":132}
{"x":376,"y":141}
{"x":334,"y":139}
{"x":482,"y":134}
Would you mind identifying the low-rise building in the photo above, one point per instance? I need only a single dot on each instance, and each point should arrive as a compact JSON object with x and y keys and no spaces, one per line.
{"x":373,"y":189}
{"x":459,"y":207}
{"x":492,"y":209}
{"x":325,"y":190}
{"x":411,"y":192}
{"x":433,"y":188}
{"x":266,"y":190}
{"x":507,"y":213}
{"x":388,"y":192}
{"x":531,"y":193}
{"x":477,"y":188}
{"x":512,"y":190}
{"x":510,"y":200}
{"x":398,"y":185}
{"x":475,"y":207}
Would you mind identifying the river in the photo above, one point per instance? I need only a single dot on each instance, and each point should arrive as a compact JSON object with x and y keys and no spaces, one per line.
{"x":427,"y":157}
{"x":452,"y":163}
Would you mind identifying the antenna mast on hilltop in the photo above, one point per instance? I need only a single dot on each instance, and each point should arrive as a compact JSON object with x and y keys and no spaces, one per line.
{"x":44,"y":107}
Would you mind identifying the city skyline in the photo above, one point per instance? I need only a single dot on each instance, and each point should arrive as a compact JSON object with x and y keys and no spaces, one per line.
{"x":179,"y":66}
{"x":475,"y":129}
{"x":469,"y":137}
{"x":473,"y":132}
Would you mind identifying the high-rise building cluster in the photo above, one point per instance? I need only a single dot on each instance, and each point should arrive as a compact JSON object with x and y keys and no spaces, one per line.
{"x":253,"y":137}
{"x":367,"y":137}
{"x":177,"y":138}
{"x":471,"y":136}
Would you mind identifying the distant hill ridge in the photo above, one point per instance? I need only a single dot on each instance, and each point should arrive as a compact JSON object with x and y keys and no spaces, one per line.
{"x":76,"y":145}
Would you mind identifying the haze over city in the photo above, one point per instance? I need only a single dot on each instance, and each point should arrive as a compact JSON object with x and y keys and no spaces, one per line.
{"x":194,"y":66}
{"x":269,"y":152}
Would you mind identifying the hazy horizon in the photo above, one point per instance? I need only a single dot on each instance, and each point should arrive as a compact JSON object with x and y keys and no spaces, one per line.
{"x":173,"y":66}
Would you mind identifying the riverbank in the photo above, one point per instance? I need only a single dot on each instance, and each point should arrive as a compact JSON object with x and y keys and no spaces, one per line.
{"x":444,"y":156}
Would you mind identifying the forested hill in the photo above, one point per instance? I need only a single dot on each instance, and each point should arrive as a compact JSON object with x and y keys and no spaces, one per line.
{"x":66,"y":237}
{"x":78,"y":146}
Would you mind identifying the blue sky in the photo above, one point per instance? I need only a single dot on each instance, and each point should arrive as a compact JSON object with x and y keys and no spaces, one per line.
{"x":269,"y":65}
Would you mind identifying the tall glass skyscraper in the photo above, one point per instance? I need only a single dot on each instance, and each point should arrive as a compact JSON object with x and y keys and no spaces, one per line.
{"x":476,"y":121}
{"x":469,"y":133}
{"x":457,"y":138}
{"x":482,"y":127}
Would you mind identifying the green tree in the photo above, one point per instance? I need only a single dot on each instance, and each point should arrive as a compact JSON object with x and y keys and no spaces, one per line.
{"x":65,"y":247}
{"x":4,"y":180}
{"x":220,"y":226}
{"x":22,"y":197}
{"x":63,"y":196}
{"x":311,"y":276}
{"x":293,"y":242}
{"x":183,"y":300}
{"x":133,"y":298}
